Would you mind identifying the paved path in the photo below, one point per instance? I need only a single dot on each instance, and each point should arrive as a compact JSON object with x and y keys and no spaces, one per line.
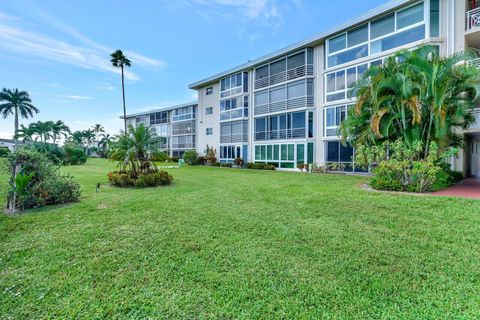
{"x":467,"y":188}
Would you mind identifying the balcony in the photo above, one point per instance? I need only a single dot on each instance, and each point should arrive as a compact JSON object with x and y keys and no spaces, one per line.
{"x":473,"y":19}
{"x":295,"y":103}
{"x":295,"y":73}
{"x":296,"y":133}
{"x":234,"y":114}
{"x":234,"y":138}
{"x":183,"y":145}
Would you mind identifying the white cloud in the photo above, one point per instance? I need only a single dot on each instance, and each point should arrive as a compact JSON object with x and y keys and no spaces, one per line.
{"x":75,"y":97}
{"x":90,"y":55}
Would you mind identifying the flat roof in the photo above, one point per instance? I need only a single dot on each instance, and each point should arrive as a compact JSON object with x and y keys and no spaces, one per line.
{"x":191,"y":103}
{"x":308,"y":42}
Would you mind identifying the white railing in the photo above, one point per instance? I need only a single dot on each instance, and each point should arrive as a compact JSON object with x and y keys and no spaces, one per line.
{"x":298,"y":72}
{"x":281,"y":134}
{"x":473,"y":19}
{"x":189,"y":145}
{"x":474,"y":62}
{"x":294,"y":103}
{"x":234,"y":138}
{"x":476,"y":114}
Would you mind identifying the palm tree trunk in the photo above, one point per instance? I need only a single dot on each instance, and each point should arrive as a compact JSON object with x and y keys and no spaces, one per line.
{"x":16,"y":130}
{"x":124,"y":108}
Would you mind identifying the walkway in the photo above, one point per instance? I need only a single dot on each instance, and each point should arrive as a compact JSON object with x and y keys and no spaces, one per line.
{"x":467,"y":188}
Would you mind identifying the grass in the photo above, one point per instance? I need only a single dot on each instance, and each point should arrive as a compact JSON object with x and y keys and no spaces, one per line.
{"x":244,"y":244}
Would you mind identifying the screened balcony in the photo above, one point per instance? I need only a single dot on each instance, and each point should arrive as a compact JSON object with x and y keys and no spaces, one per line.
{"x":473,"y":19}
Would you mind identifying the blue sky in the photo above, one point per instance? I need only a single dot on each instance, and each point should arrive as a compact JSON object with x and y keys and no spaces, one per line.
{"x":58,"y":50}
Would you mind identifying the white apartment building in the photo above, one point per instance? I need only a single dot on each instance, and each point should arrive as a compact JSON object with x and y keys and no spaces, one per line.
{"x":176,"y":127}
{"x":285,"y":108}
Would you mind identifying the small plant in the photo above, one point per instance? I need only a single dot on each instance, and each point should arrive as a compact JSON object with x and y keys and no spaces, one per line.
{"x":74,"y":155}
{"x":316,"y":168}
{"x":174,"y":159}
{"x":4,"y":152}
{"x":239,"y":162}
{"x":210,"y":156}
{"x":226,"y":164}
{"x":159,"y":156}
{"x":152,"y":179}
{"x":269,"y":166}
{"x":302,"y":167}
{"x":191,"y":157}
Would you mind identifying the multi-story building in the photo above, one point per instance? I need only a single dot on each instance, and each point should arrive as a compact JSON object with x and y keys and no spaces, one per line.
{"x":285,"y":107}
{"x":176,"y":127}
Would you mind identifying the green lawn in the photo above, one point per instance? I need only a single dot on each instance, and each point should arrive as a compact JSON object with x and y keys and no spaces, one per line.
{"x":241,"y":244}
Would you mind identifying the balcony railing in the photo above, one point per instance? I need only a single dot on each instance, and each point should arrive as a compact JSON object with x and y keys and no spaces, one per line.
{"x":476,"y":114}
{"x":474,"y":62}
{"x":234,"y":138}
{"x":183,"y":145}
{"x":297,"y":133}
{"x":473,"y":19}
{"x":234,"y":114}
{"x":298,"y":72}
{"x":295,"y":103}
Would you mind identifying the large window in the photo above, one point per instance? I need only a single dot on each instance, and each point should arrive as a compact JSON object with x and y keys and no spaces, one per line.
{"x":289,"y":67}
{"x":333,"y":116}
{"x":234,"y":131}
{"x":184,"y":113}
{"x":234,"y":108}
{"x":388,"y":32}
{"x":297,"y":94}
{"x":159,"y":117}
{"x":183,"y":142}
{"x":234,"y":84}
{"x":284,"y":126}
{"x":340,"y":84}
{"x":286,"y":155}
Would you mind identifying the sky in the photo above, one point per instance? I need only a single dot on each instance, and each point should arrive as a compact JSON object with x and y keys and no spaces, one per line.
{"x":58,"y":51}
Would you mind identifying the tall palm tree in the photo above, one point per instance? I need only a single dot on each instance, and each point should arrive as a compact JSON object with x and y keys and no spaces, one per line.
{"x":98,"y":129}
{"x":59,"y":129}
{"x":77,"y":138}
{"x":17,"y":103}
{"x":104,"y":143}
{"x":43,"y":130}
{"x":26,"y":133}
{"x":88,"y":138}
{"x":119,"y":60}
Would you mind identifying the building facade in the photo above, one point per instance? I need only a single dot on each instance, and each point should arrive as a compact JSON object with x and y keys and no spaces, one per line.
{"x":285,"y":108}
{"x":176,"y":127}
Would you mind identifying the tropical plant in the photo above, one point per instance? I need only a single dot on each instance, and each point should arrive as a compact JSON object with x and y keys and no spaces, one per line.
{"x":103,"y":145}
{"x":98,"y":129}
{"x":119,"y":60}
{"x":88,"y":137}
{"x":76,"y":137}
{"x":133,"y":151}
{"x":17,"y":103}
{"x":43,"y":130}
{"x":59,"y":129}
{"x":26,"y":133}
{"x":414,"y":96}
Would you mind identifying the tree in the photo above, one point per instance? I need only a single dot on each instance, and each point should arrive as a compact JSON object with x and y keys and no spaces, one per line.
{"x":414,"y":96}
{"x":98,"y":129}
{"x":17,"y":103}
{"x":26,"y":133}
{"x":133,"y":150}
{"x":120,"y":61}
{"x":88,"y":138}
{"x":76,"y":137}
{"x":43,"y":130}
{"x":104,"y":143}
{"x":58,"y":130}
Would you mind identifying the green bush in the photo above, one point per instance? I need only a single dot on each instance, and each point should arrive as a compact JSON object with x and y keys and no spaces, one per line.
{"x":48,"y":186}
{"x":269,"y":166}
{"x":152,"y":179}
{"x":74,"y":154}
{"x":53,"y":152}
{"x":160,"y":156}
{"x":226,"y":164}
{"x":4,"y":152}
{"x":191,"y":157}
{"x":250,"y":165}
{"x":174,"y":159}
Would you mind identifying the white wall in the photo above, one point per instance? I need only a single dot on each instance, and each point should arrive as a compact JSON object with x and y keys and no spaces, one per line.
{"x":205,"y":121}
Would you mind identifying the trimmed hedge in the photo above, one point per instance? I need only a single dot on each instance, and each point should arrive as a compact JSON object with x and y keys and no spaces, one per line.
{"x":153,"y":179}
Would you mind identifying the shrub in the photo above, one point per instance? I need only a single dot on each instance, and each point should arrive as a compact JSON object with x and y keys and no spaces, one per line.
{"x":316,"y":168}
{"x":269,"y":166}
{"x":174,"y":159}
{"x":152,"y":179}
{"x":47,"y":185}
{"x":159,"y":156}
{"x":226,"y":164}
{"x":4,"y":152}
{"x":210,"y":156}
{"x":53,"y":152}
{"x":250,"y":165}
{"x":239,"y":162}
{"x":191,"y":157}
{"x":74,"y":155}
{"x":201,"y":160}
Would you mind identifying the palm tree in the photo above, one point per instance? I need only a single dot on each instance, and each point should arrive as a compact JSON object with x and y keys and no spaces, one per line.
{"x":134,"y":149}
{"x":98,"y":128}
{"x":43,"y":130}
{"x":26,"y":133}
{"x":414,"y":96}
{"x":104,"y":143}
{"x":120,"y":61}
{"x":77,"y":138}
{"x":59,"y":129}
{"x":17,"y":103}
{"x":88,"y":138}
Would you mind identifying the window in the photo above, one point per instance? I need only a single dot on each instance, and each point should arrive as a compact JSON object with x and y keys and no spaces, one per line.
{"x":209,"y":110}
{"x":209,"y":131}
{"x":261,"y":98}
{"x":283,"y":126}
{"x":184,"y":113}
{"x":296,"y":90}
{"x":340,"y":84}
{"x":234,"y":108}
{"x":296,"y":60}
{"x":234,"y":131}
{"x":233,"y":84}
{"x":434,"y":18}
{"x":388,"y":32}
{"x":209,"y":91}
{"x":278,"y":66}
{"x":261,"y":73}
{"x":159,"y":118}
{"x":333,"y":116}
